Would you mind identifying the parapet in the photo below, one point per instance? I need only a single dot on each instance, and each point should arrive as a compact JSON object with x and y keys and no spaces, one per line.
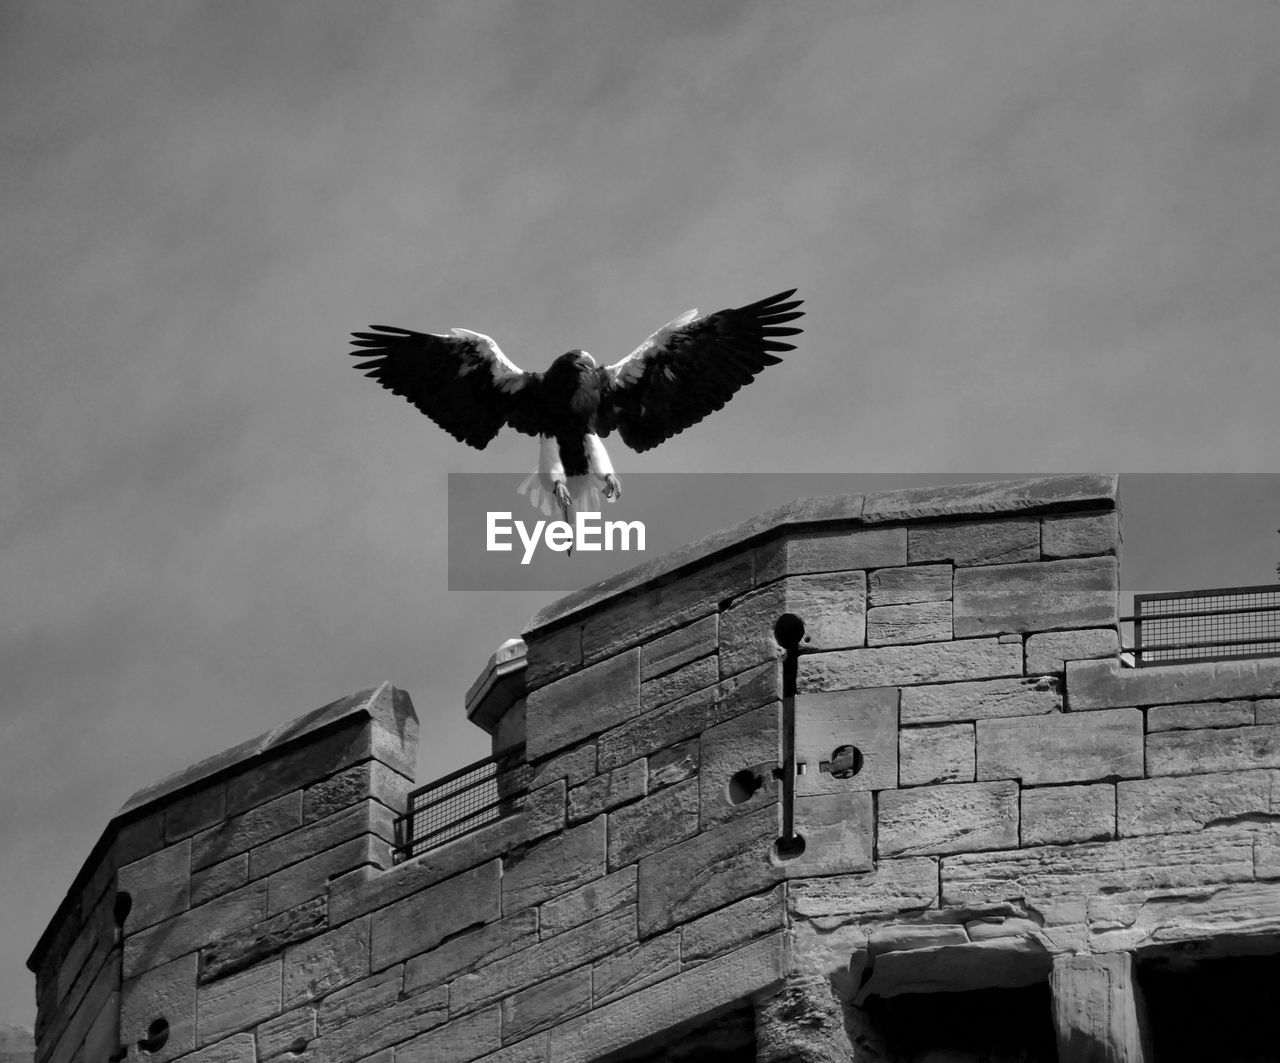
{"x":853,"y":754}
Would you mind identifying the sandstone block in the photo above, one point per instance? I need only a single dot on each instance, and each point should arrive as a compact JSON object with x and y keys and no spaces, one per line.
{"x":457,"y":1041}
{"x":1043,"y":596}
{"x":281,"y":1034}
{"x":1267,"y":710}
{"x":368,"y":817}
{"x":160,"y":885}
{"x":674,"y":764}
{"x":237,"y":1049}
{"x":1213,"y":750}
{"x":424,"y":919}
{"x":900,"y":937}
{"x":605,"y":792}
{"x":1050,"y":650}
{"x":919,"y":622}
{"x":471,"y":950}
{"x":1199,"y":716}
{"x":300,"y":766}
{"x":827,"y":723}
{"x":546,"y":1004}
{"x":325,"y":963}
{"x":704,"y":672}
{"x":901,"y":586}
{"x":886,"y":666}
{"x":1080,"y":536}
{"x":839,"y":834}
{"x":894,"y":886}
{"x":241,"y":833}
{"x":660,"y":820}
{"x":1060,"y":815}
{"x":1190,"y":803}
{"x":1064,"y":747}
{"x":1104,"y":684}
{"x":168,"y":992}
{"x":797,"y":553}
{"x":238,"y":950}
{"x":587,"y":902}
{"x":195,"y":928}
{"x":217,"y":879}
{"x":630,"y":969}
{"x":554,"y":866}
{"x":374,"y":1014}
{"x":238,"y":1001}
{"x":1232,"y":919}
{"x":680,"y":647}
{"x":742,"y":744}
{"x":575,"y":766}
{"x":551,"y":655}
{"x":961,"y":817}
{"x":982,"y":700}
{"x":984,"y":542}
{"x":1004,"y":963}
{"x":195,"y":811}
{"x":1043,"y":494}
{"x":733,"y":926}
{"x":306,"y":879}
{"x":353,"y":785}
{"x":598,"y":697}
{"x":936,"y":754}
{"x":1097,"y":1010}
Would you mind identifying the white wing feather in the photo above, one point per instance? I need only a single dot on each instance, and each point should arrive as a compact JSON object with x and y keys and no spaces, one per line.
{"x":632,"y":366}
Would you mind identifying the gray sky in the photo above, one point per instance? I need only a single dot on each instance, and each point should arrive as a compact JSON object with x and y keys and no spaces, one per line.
{"x":1031,"y":237}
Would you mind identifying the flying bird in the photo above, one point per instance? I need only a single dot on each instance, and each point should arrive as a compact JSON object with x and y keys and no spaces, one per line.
{"x":687,"y":369}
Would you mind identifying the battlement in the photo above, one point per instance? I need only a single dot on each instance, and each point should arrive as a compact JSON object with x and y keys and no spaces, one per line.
{"x":736,"y":837}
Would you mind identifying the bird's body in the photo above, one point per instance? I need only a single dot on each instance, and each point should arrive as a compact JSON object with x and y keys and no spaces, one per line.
{"x":684,"y":371}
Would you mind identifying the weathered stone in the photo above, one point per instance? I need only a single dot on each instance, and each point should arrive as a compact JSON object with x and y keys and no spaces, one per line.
{"x":1200,"y":716}
{"x":241,"y":833}
{"x":1050,"y":650}
{"x":605,"y":792}
{"x":238,"y":1001}
{"x":306,"y":879}
{"x":802,"y":1022}
{"x":166,"y":992}
{"x":554,"y":866}
{"x":708,"y":871}
{"x":679,"y":648}
{"x":367,"y":817}
{"x":241,"y":949}
{"x":1180,"y":804}
{"x":567,"y":710}
{"x":218,"y":879}
{"x":194,"y":929}
{"x":576,"y":766}
{"x":1043,"y":596}
{"x":373,"y":1014}
{"x":285,"y":1032}
{"x":1267,"y":710}
{"x":1097,"y":1010}
{"x":961,"y":817}
{"x":1044,"y":494}
{"x":886,"y":666}
{"x":894,"y":886}
{"x":370,"y":779}
{"x":471,"y":950}
{"x":262,"y":782}
{"x":660,"y":820}
{"x":457,"y":1041}
{"x":918,"y":622}
{"x":986,"y":542}
{"x":546,"y":1004}
{"x":670,"y":686}
{"x":745,"y":743}
{"x":630,"y":969}
{"x":826,"y":723}
{"x":674,"y":764}
{"x":1211,"y":750}
{"x":902,"y":586}
{"x":833,"y":608}
{"x":1003,"y":963}
{"x":982,"y":700}
{"x":427,"y":918}
{"x":689,"y":716}
{"x":1059,"y":815}
{"x":551,"y":655}
{"x":195,"y":811}
{"x":1088,"y":535}
{"x":797,"y":553}
{"x":237,"y":1049}
{"x":839,"y":834}
{"x":695,"y":992}
{"x":899,"y":937}
{"x":1063,"y":747}
{"x":1105,"y":685}
{"x":936,"y":754}
{"x":160,"y":885}
{"x":733,"y":926}
{"x":325,"y":963}
{"x":589,"y":901}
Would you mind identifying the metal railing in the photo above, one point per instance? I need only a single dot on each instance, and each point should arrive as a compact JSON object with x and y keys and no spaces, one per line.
{"x":468,"y":799}
{"x":1222,"y":624}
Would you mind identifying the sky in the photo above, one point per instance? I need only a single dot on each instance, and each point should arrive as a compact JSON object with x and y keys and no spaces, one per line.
{"x":1031,"y":237}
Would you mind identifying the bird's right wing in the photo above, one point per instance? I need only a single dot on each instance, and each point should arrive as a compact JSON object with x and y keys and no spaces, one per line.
{"x":462,"y":381}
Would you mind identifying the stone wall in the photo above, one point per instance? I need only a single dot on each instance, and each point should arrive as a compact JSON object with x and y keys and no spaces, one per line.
{"x":987,"y":800}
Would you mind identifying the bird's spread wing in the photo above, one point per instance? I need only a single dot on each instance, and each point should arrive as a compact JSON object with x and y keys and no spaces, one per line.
{"x":462,"y":381}
{"x":692,"y":367}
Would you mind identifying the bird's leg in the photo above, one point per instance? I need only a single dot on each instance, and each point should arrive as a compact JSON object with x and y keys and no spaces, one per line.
{"x":563,"y":498}
{"x":612,"y":487}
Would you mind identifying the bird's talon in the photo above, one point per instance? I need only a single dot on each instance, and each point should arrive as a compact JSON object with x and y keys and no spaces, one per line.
{"x":612,"y":487}
{"x":562,"y":494}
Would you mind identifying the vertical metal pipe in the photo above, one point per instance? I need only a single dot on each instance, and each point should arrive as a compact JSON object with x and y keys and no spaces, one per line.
{"x":789,"y":631}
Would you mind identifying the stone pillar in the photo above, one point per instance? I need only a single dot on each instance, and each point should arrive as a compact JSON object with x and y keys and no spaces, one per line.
{"x":1097,"y":1010}
{"x":803,"y":1022}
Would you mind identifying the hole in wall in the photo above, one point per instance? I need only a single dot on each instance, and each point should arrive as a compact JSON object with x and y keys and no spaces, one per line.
{"x":845,"y":762}
{"x":789,"y":848}
{"x":298,"y":1046}
{"x":743,"y":786}
{"x":788,"y":630}
{"x":122,"y":907}
{"x":157,"y":1035}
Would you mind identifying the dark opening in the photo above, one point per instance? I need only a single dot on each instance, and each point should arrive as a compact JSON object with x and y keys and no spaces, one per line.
{"x":122,"y":907}
{"x":157,"y":1035}
{"x":743,"y":786}
{"x":788,"y":630}
{"x":729,"y":1037}
{"x":845,"y":762}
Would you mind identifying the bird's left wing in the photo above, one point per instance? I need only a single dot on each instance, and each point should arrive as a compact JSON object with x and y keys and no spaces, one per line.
{"x":691,"y":367}
{"x":462,"y":381}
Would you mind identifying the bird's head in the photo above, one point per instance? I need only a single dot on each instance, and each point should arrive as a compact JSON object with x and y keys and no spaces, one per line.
{"x":579,"y":359}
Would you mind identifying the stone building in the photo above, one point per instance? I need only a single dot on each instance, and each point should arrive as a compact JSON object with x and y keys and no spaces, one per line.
{"x":864,"y":778}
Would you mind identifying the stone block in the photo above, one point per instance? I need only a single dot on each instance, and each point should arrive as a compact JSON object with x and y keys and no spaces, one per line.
{"x":374,"y":1014}
{"x":1097,"y":1010}
{"x":631,"y":969}
{"x":325,"y":963}
{"x":799,"y":552}
{"x":296,"y":767}
{"x":1200,"y":716}
{"x":160,"y":885}
{"x":425,"y":919}
{"x":983,"y":700}
{"x":1190,"y":803}
{"x":195,"y":811}
{"x":1267,"y":710}
{"x":956,"y":818}
{"x":372,"y":779}
{"x":660,"y":820}
{"x":936,"y":754}
{"x":704,"y":672}
{"x":552,"y":655}
{"x":306,"y":879}
{"x":457,"y":1041}
{"x":241,"y":949}
{"x":733,"y":926}
{"x":194,"y":929}
{"x":839,"y":834}
{"x":471,"y":950}
{"x":918,"y":622}
{"x":1061,"y":815}
{"x":983,"y":542}
{"x":902,"y":937}
{"x":554,"y":866}
{"x":1090,"y":534}
{"x":680,"y":647}
{"x":886,"y":666}
{"x":547,"y":1004}
{"x":238,"y":1001}
{"x":1005,"y":963}
{"x":290,"y":1032}
{"x":140,"y":837}
{"x":237,"y":1049}
{"x":827,"y":723}
{"x":1044,"y":596}
{"x":587,"y":902}
{"x":574,"y":766}
{"x":1050,"y":650}
{"x":166,"y":991}
{"x":217,"y":879}
{"x":903,"y":586}
{"x":241,"y":833}
{"x":1213,"y":749}
{"x":1063,"y":747}
{"x":689,"y":716}
{"x":707,"y":871}
{"x":894,"y":886}
{"x":604,"y":792}
{"x":1234,"y":919}
{"x":745,"y":743}
{"x":598,"y":697}
{"x":674,"y":764}
{"x":1044,"y":494}
{"x":1105,"y":685}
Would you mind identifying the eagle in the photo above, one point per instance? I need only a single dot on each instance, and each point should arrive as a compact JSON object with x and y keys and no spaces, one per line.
{"x":687,"y":369}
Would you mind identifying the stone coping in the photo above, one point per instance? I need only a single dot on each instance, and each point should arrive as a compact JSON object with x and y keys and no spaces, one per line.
{"x":498,"y":686}
{"x":1033,"y":496}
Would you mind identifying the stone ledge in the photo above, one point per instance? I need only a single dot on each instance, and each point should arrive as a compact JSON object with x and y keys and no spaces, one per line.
{"x":1105,"y":684}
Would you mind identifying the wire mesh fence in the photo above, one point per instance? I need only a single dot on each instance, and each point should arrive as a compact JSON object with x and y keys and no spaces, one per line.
{"x":468,"y":799}
{"x":1227,"y":623}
